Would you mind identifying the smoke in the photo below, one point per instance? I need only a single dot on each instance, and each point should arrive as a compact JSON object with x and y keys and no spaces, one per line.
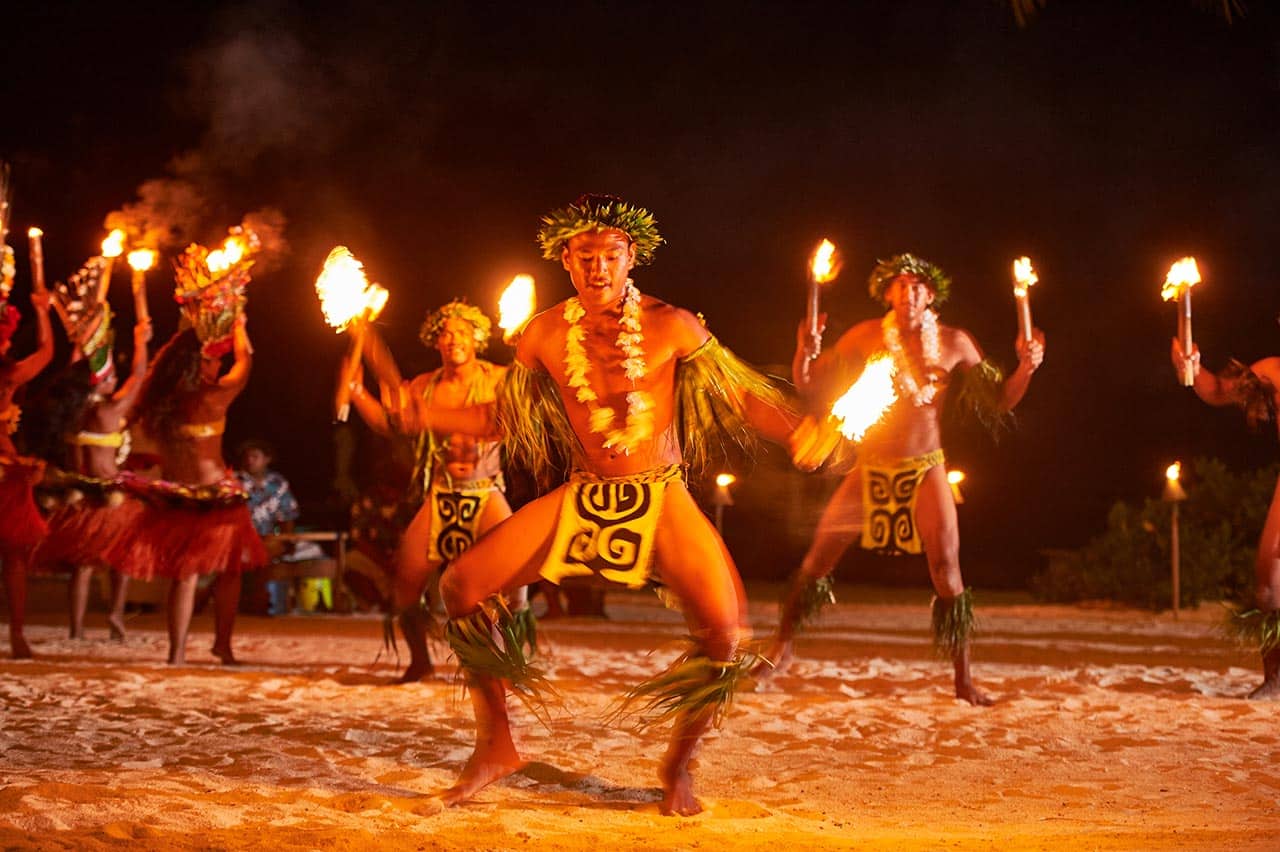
{"x":256,"y":90}
{"x":167,"y":214}
{"x":268,"y":225}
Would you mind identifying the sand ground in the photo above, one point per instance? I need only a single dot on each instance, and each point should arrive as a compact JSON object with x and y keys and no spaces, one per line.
{"x":1115,"y":729}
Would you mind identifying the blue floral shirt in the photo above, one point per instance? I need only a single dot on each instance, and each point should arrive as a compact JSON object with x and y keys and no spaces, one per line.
{"x":271,"y":502}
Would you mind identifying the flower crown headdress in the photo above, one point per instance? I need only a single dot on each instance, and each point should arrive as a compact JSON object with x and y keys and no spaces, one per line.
{"x":210,"y":288}
{"x":481,"y":327}
{"x":599,"y":213}
{"x":909,"y":264}
{"x":86,"y":320}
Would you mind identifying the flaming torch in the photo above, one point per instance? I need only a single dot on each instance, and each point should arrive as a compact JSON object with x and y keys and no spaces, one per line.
{"x":1024,"y":276}
{"x":112,"y":247}
{"x":35,"y":239}
{"x":852,"y":415}
{"x":1182,"y":276}
{"x":140,"y":260}
{"x":823,"y":267}
{"x":348,"y":301}
{"x":516,"y":306}
{"x":867,"y":399}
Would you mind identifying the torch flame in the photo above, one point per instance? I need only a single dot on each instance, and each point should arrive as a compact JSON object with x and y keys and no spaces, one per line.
{"x":825,"y":264}
{"x":955,"y":477}
{"x":113,"y":245}
{"x":516,"y":305}
{"x":32,"y":233}
{"x":232,"y":252}
{"x":142,"y":259}
{"x":724,"y":480}
{"x":867,"y":399}
{"x":1173,"y":472}
{"x":345,"y":292}
{"x":1182,"y":275}
{"x":1024,"y":276}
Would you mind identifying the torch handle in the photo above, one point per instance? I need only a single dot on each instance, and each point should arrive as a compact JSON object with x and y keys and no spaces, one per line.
{"x":37,"y":263}
{"x":1024,"y":316}
{"x":105,"y":281}
{"x":813,"y":309}
{"x":140,"y":309}
{"x":1184,"y":337}
{"x":342,"y":399}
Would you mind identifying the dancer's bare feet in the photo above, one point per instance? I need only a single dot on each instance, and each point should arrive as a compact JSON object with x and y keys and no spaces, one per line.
{"x":677,"y":787}
{"x":966,"y":691}
{"x":486,"y":765}
{"x":19,"y":648}
{"x":224,"y":653}
{"x":177,"y":656}
{"x":1268,"y":691}
{"x":115,"y":624}
{"x":416,"y":672}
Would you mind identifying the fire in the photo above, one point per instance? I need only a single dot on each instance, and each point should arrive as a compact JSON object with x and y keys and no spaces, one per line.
{"x":1024,"y":276}
{"x":32,"y":233}
{"x":142,"y":259}
{"x":825,"y":265}
{"x":113,"y":245}
{"x":1173,"y":472}
{"x":345,"y":292}
{"x":1182,"y":275}
{"x":867,"y":399}
{"x":955,"y":477}
{"x":516,"y":305}
{"x":724,"y":480}
{"x":232,"y":252}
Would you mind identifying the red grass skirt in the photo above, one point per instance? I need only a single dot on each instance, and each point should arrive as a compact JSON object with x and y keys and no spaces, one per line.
{"x":21,"y":526}
{"x":84,"y":532}
{"x":183,"y":531}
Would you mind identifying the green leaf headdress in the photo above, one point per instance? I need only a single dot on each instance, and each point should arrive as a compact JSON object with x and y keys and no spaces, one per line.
{"x":908,"y":264}
{"x":481,"y":327}
{"x":599,"y":213}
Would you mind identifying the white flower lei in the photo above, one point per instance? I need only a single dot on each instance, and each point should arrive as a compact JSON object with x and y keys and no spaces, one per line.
{"x":906,"y":375}
{"x":638,"y":425}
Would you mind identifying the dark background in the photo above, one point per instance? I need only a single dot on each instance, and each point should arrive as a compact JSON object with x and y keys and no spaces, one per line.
{"x":1103,"y":139}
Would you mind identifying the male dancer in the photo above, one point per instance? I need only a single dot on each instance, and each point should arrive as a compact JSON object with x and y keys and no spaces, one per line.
{"x":626,"y":388}
{"x":458,"y":478}
{"x":897,"y":497}
{"x":1256,"y":389}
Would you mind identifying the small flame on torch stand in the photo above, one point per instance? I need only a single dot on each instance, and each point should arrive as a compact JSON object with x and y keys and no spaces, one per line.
{"x":140,"y":260}
{"x":1024,"y":277}
{"x":348,"y":301}
{"x":722,"y":497}
{"x":1173,"y":495}
{"x":516,"y":306}
{"x":954,"y":478}
{"x":35,"y":239}
{"x":112,"y":247}
{"x":1182,"y":276}
{"x":823,"y":268}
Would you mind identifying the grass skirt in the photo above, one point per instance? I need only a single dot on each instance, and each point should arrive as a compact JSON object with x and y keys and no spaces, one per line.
{"x":83,"y":532}
{"x":21,"y":526}
{"x":184,"y":530}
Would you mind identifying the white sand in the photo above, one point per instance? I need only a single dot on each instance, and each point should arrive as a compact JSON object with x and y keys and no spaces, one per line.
{"x":1114,"y":730}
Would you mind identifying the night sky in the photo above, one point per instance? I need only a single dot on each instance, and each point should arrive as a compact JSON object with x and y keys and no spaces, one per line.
{"x":1104,"y":139}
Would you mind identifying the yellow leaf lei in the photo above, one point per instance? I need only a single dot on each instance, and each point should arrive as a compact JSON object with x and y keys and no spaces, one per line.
{"x":638,"y":424}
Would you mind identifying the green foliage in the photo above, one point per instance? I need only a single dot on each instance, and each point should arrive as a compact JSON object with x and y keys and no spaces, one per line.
{"x":690,"y":686}
{"x":1219,"y":524}
{"x":909,"y":264}
{"x":953,"y":623}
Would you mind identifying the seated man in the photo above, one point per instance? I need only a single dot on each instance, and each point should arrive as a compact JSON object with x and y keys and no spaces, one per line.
{"x":274,"y":510}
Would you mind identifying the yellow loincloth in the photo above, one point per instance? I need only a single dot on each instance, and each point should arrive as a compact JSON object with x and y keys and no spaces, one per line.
{"x":889,"y":492}
{"x":607,"y":527}
{"x":456,"y":509}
